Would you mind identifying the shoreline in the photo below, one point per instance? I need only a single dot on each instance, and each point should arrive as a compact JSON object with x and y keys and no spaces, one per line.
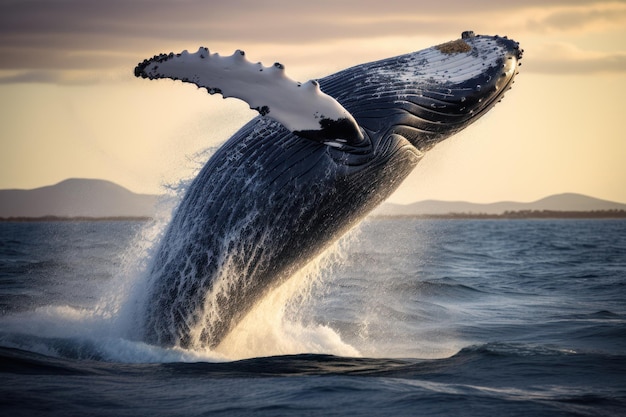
{"x":507,"y":215}
{"x":513,"y":215}
{"x":25,"y":219}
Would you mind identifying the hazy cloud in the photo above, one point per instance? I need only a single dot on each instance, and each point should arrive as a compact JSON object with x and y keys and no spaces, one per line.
{"x":596,"y":16}
{"x":54,"y":77}
{"x":561,"y":58}
{"x":606,"y":64}
{"x":30,"y":77}
{"x":39,"y":38}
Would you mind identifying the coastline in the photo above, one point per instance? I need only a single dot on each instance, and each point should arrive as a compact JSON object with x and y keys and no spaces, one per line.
{"x":512,"y":215}
{"x":75,"y":219}
{"x":507,"y":215}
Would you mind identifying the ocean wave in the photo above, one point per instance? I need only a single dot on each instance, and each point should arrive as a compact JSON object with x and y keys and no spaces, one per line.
{"x":474,"y":382}
{"x":82,"y":357}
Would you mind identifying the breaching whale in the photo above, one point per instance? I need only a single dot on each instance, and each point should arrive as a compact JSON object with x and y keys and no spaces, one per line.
{"x":319,"y":157}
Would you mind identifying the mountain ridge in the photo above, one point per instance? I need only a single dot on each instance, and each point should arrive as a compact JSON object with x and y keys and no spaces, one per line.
{"x":565,"y":202}
{"x":77,"y":197}
{"x":80,"y":197}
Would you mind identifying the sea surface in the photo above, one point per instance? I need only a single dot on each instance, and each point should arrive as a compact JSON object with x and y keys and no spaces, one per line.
{"x":404,"y":317}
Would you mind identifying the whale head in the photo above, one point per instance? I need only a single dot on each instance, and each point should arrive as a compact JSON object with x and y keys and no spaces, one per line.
{"x":429,"y":95}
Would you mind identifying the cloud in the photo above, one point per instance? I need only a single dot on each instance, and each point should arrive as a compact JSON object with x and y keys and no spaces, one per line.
{"x":40,"y":38}
{"x":59,"y":77}
{"x":593,"y":17}
{"x":615,"y":63}
{"x":30,"y":77}
{"x":564,"y":58}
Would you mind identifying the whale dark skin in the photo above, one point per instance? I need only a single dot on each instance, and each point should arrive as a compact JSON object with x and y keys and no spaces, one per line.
{"x":270,"y":200}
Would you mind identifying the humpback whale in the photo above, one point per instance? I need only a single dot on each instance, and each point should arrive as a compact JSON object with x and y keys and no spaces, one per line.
{"x":316,"y":160}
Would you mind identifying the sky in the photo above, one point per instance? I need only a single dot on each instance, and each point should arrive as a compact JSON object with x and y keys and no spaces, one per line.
{"x":72,"y":108}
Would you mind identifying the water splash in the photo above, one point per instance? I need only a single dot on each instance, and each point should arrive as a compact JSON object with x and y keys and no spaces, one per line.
{"x":279,"y":324}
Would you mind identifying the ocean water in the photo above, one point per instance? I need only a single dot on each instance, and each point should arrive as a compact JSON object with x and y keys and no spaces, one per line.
{"x":402,"y":317}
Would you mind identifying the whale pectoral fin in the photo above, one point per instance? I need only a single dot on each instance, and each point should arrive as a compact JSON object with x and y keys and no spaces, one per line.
{"x":301,"y":107}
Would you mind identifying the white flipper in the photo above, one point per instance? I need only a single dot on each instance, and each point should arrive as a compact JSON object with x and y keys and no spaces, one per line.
{"x":301,"y":107}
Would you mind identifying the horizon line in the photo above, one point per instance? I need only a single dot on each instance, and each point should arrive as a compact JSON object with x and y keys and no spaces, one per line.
{"x":384,"y":202}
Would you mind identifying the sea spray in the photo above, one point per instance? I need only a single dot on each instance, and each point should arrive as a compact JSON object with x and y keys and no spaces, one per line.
{"x":95,"y":319}
{"x":281,"y":323}
{"x":396,"y":309}
{"x":109,"y":328}
{"x":278,"y":324}
{"x":306,"y":314}
{"x":124,"y":299}
{"x":101,"y":321}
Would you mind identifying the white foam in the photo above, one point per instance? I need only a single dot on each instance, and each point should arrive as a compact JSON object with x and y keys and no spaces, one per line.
{"x":276,"y":327}
{"x":111,"y":329}
{"x":278,"y":324}
{"x":65,"y":331}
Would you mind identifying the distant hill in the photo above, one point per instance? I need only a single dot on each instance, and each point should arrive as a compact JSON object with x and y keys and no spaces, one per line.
{"x":77,"y":198}
{"x":99,"y":198}
{"x":568,"y":202}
